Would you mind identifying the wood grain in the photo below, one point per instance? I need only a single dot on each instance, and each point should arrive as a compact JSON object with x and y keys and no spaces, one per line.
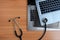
{"x":13,"y":8}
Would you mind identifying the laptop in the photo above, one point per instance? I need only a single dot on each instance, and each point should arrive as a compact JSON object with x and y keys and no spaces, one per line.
{"x":49,"y":9}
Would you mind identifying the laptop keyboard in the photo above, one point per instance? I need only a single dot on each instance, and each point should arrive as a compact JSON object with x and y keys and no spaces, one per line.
{"x":49,"y":6}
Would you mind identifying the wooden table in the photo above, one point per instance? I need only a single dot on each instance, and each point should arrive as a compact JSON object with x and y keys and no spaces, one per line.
{"x":13,"y":8}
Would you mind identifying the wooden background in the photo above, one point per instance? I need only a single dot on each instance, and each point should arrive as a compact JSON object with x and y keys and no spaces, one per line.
{"x":13,"y":8}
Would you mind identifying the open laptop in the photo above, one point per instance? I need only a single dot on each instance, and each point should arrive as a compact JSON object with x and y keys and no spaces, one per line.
{"x":49,"y":9}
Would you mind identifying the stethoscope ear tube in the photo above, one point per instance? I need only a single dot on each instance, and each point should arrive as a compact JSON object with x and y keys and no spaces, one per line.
{"x":16,"y":24}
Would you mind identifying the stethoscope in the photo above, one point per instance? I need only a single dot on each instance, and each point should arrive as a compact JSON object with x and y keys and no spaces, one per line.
{"x":21,"y":33}
{"x":15,"y":24}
